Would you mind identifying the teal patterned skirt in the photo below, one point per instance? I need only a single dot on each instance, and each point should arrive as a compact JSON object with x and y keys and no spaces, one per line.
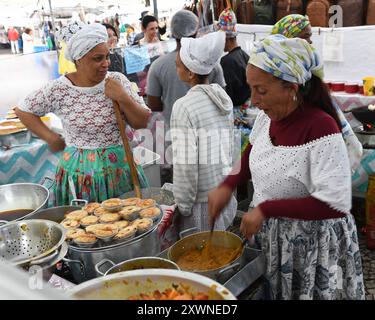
{"x":97,"y":174}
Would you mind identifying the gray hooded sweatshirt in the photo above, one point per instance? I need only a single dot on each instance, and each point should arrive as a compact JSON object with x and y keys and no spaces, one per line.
{"x":202,"y":141}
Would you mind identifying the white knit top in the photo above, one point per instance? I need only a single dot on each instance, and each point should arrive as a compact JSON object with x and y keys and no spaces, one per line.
{"x":320,"y":169}
{"x":87,"y":115}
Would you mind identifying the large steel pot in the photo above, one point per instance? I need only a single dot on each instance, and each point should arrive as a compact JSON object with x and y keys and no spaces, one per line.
{"x":134,"y":264}
{"x":82,"y":261}
{"x":199,"y":240}
{"x":21,"y":200}
{"x":57,"y":214}
{"x":124,"y":284}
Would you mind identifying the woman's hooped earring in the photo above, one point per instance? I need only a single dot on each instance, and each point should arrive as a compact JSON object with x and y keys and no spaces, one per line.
{"x":295,"y":99}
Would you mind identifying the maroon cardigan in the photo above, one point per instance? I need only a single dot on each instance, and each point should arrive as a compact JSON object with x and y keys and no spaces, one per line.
{"x":302,"y":126}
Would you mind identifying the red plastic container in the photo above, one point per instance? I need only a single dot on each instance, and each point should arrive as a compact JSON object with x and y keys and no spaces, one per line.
{"x":351,"y":87}
{"x":337,"y":86}
{"x":360,"y":89}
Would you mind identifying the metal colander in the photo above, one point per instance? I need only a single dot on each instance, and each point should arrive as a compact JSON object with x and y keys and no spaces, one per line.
{"x":22,"y":242}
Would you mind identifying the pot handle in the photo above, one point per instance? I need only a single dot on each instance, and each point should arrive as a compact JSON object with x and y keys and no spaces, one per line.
{"x":233,"y":267}
{"x":100,"y":264}
{"x":52,"y":181}
{"x":81,"y":265}
{"x":3,"y":222}
{"x":78,"y":202}
{"x":186,"y":232}
{"x":45,"y":259}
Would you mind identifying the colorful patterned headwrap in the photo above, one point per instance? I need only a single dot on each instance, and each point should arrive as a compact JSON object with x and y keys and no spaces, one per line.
{"x":291,"y":25}
{"x":227,"y":23}
{"x":293,"y":60}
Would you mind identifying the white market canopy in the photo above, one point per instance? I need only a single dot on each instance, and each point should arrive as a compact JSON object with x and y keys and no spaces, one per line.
{"x":15,"y":10}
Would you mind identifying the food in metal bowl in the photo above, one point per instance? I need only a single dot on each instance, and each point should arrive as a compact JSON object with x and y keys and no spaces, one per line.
{"x":112,"y":204}
{"x":146,"y":203}
{"x":70,"y":224}
{"x":109,"y":217}
{"x":89,"y":220}
{"x":130,"y":213}
{"x":77,"y":215}
{"x":152,"y":213}
{"x":91,"y":207}
{"x":143,"y":225}
{"x":121,"y":224}
{"x":209,"y":258}
{"x":130,"y":284}
{"x":102,"y":230}
{"x":75,"y":233}
{"x":176,"y":292}
{"x":100,"y":211}
{"x":126,"y":233}
{"x":130,"y":201}
{"x":86,"y":240}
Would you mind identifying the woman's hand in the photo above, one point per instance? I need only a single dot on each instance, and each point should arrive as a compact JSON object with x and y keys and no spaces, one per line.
{"x":114,"y":90}
{"x":252,"y":222}
{"x":57,"y":143}
{"x":218,"y":199}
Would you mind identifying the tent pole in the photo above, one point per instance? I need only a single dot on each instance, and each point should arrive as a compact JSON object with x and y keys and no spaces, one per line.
{"x":53,"y":26}
{"x":212,"y":11}
{"x":155,"y":9}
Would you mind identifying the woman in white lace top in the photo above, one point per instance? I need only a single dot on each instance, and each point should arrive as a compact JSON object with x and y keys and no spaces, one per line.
{"x":93,"y":155}
{"x":300,"y":170}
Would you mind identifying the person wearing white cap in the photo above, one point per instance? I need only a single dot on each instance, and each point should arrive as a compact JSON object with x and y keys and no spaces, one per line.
{"x":202,"y":134}
{"x":93,"y":155}
{"x":163,"y":85}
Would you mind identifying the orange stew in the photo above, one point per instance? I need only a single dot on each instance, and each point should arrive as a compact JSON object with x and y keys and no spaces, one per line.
{"x":170,"y":294}
{"x":209,"y":258}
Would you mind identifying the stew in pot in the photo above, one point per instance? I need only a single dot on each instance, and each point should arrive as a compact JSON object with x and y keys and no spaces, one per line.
{"x":210,"y":258}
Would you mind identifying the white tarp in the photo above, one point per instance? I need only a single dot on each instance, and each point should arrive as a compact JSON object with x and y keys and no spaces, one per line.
{"x":358,"y":49}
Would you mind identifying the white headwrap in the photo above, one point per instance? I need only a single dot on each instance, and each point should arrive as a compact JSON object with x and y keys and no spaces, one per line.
{"x":203,"y":54}
{"x":81,"y":38}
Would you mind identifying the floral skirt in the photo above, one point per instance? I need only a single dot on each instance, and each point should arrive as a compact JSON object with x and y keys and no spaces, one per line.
{"x":97,"y":174}
{"x":317,"y":260}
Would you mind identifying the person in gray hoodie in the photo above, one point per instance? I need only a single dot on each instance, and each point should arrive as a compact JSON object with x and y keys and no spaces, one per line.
{"x":202,"y":134}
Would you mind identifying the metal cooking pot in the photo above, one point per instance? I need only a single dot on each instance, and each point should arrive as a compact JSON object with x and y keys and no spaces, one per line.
{"x":199,"y":240}
{"x":22,"y":200}
{"x":124,"y":284}
{"x":57,"y":214}
{"x":82,"y":261}
{"x":134,"y":264}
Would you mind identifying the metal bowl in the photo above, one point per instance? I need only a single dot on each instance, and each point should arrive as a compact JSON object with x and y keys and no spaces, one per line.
{"x":125,"y":284}
{"x":199,"y":240}
{"x":22,"y":200}
{"x":23,"y":242}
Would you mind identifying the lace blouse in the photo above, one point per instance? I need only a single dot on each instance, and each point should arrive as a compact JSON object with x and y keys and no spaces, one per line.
{"x":87,"y":115}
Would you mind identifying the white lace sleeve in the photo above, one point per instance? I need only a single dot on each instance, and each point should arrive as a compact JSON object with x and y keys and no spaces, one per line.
{"x":129,"y":89}
{"x":37,"y":102}
{"x":330,"y":173}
